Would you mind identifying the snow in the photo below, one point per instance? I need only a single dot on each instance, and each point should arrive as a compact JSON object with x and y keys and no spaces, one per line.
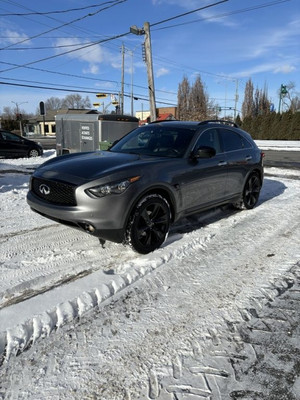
{"x":117,"y":317}
{"x":287,"y":145}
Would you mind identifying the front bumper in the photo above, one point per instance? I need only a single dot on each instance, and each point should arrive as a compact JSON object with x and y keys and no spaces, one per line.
{"x":105,"y":217}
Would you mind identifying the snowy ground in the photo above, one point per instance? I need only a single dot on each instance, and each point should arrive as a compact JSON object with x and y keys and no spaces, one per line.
{"x":123,"y":326}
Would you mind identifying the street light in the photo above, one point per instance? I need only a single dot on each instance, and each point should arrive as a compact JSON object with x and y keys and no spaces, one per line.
{"x":18,"y":114}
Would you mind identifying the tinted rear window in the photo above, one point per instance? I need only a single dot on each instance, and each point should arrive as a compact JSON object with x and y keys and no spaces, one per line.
{"x":233,"y":141}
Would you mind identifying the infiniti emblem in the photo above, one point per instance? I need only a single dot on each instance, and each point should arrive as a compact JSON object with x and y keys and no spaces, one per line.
{"x":44,"y":189}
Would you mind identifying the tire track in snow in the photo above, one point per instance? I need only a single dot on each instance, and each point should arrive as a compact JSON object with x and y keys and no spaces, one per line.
{"x":58,"y":254}
{"x":24,"y":335}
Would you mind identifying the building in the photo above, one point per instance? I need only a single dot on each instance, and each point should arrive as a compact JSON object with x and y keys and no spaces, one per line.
{"x":163,"y":113}
{"x":45,"y":124}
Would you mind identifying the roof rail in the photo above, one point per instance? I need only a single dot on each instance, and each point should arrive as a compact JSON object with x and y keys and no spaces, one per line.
{"x":157,"y":121}
{"x":219,"y":121}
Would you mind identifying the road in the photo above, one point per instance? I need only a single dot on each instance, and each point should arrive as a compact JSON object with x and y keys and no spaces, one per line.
{"x":282,"y":159}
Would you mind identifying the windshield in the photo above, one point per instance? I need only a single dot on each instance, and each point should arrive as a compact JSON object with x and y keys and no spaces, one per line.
{"x":156,"y":140}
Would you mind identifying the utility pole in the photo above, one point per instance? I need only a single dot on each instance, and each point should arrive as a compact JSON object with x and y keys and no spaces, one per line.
{"x":236,"y":97}
{"x":148,"y":59}
{"x":283,"y":92}
{"x":19,"y":116}
{"x":148,"y":53}
{"x":122,"y":85}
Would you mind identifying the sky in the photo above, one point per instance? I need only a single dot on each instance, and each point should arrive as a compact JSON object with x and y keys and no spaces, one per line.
{"x":53,"y":49}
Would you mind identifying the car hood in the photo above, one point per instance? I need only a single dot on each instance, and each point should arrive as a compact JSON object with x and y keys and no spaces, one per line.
{"x":79,"y":168}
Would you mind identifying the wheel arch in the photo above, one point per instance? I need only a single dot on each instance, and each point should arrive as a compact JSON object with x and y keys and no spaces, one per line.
{"x":160,"y":190}
{"x":257,"y":171}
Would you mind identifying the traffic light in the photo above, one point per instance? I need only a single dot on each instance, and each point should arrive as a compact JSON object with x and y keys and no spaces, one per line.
{"x":101,"y":95}
{"x":42,"y":108}
{"x":96,"y":104}
{"x":283,"y":89}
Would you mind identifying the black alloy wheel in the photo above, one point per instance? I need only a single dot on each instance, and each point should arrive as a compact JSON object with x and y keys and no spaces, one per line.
{"x":150,"y":224}
{"x":251,"y":191}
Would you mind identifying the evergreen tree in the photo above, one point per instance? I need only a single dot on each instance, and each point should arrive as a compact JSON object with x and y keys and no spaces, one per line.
{"x":295,"y":127}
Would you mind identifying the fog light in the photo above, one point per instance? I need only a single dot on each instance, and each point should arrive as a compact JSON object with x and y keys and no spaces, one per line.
{"x":89,"y":228}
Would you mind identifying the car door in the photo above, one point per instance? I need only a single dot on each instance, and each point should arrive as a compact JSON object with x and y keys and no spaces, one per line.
{"x":12,"y":145}
{"x":239,"y":158}
{"x":204,"y":180}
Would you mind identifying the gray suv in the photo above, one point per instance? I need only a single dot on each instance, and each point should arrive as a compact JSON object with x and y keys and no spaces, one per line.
{"x":149,"y":179}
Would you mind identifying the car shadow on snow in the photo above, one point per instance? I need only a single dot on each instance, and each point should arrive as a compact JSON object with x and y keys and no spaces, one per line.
{"x":271,"y":189}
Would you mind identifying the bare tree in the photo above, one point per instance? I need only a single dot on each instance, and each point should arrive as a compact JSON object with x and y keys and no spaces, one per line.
{"x":70,"y":101}
{"x":291,"y":99}
{"x":53,"y":104}
{"x":193,"y":101}
{"x":76,"y":101}
{"x":183,"y":98}
{"x":248,"y":106}
{"x":198,"y":101}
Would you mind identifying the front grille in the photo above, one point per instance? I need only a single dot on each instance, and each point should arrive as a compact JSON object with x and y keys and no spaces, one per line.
{"x":54,"y":192}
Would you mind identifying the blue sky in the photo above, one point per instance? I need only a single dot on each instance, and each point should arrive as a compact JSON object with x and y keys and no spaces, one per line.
{"x":226,"y":44}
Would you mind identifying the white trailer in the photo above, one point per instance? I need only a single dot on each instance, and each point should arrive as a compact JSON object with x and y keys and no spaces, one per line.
{"x":88,"y":132}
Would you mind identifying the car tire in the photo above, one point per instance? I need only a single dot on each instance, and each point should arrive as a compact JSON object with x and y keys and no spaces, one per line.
{"x":33,"y":153}
{"x":250,"y":194}
{"x":149,"y":225}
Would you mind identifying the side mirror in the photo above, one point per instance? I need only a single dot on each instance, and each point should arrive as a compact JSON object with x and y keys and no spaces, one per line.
{"x":204,"y":152}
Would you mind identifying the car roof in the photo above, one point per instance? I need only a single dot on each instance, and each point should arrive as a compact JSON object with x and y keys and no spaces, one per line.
{"x":196,"y":124}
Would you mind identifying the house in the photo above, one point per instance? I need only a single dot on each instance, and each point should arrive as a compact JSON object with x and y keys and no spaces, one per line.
{"x":45,"y":124}
{"x":163,"y":114}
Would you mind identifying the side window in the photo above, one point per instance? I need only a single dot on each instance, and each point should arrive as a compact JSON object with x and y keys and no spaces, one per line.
{"x":209,"y":138}
{"x":231,"y":140}
{"x":8,"y":136}
{"x":246,"y":143}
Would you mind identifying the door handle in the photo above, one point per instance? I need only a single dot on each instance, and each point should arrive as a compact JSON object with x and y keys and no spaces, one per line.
{"x":222,"y":163}
{"x":248,"y":158}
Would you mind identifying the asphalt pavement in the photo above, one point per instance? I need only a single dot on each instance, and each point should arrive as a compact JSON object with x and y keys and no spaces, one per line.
{"x":282,"y":159}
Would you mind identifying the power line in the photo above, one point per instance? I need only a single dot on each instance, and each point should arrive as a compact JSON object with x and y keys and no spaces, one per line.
{"x":81,"y":77}
{"x":54,"y":12}
{"x":272,"y":3}
{"x":116,"y":2}
{"x":48,"y":47}
{"x":48,"y":17}
{"x":67,"y":52}
{"x":80,"y":91}
{"x":189,"y":12}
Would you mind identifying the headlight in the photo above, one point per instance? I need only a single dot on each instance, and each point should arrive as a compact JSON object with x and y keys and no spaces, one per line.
{"x":111,"y":188}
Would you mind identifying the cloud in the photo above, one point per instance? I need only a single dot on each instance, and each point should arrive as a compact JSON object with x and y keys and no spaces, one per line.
{"x":13,"y":37}
{"x":278,"y":38}
{"x":274,"y":68}
{"x":93,"y":69}
{"x":161,"y":72}
{"x":284,"y":69}
{"x":93,"y":55}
